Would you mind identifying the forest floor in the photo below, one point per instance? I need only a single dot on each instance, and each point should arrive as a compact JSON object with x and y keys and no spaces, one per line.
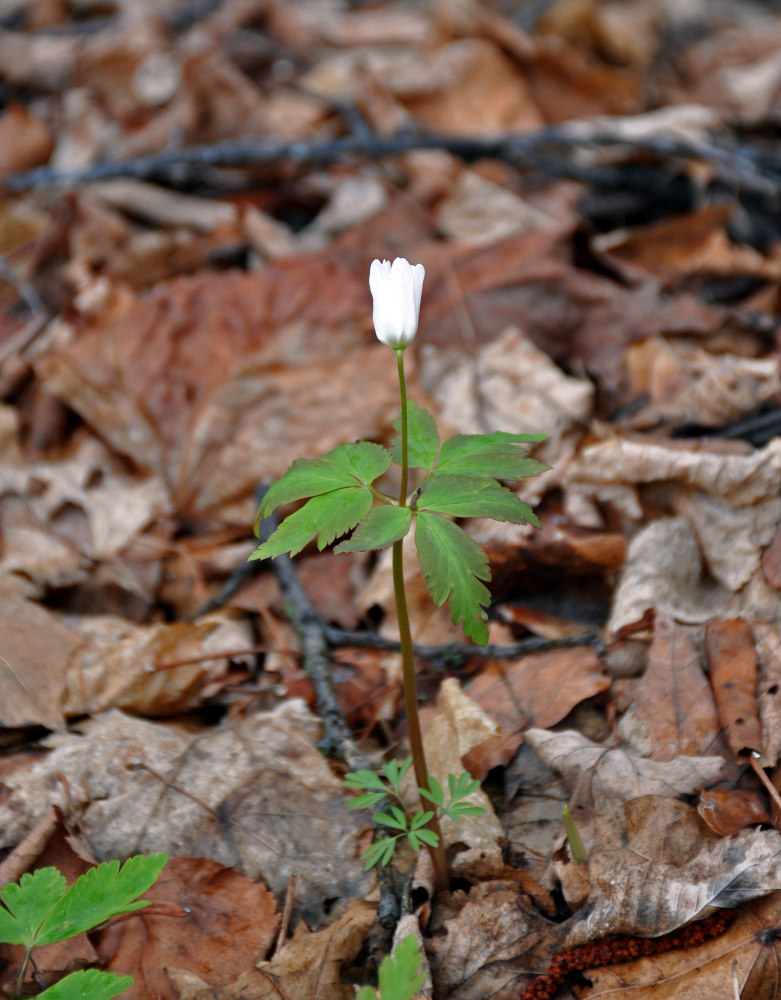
{"x":193,"y":194}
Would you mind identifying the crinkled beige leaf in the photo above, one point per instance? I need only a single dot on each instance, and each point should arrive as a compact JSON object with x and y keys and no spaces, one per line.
{"x":618,"y":774}
{"x":256,"y":795}
{"x":479,"y":212}
{"x":458,"y":726}
{"x":511,"y":385}
{"x":663,"y":575}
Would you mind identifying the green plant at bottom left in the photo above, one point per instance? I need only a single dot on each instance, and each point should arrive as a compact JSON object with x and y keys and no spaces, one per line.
{"x":41,"y":909}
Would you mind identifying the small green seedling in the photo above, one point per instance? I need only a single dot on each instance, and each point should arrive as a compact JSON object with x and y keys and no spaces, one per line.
{"x":414,"y":826}
{"x":457,"y":478}
{"x":579,"y":852}
{"x":41,"y":909}
{"x":400,"y":977}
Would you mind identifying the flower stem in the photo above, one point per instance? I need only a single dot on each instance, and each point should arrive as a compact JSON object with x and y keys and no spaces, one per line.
{"x":407,"y":655}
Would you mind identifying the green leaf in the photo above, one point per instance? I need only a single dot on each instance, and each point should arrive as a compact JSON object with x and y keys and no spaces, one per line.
{"x":474,"y":496}
{"x":363,"y":779}
{"x":326,"y":516}
{"x":381,"y":527}
{"x":422,"y":438}
{"x":28,"y":903}
{"x":395,"y":771}
{"x":435,"y":793}
{"x":380,"y":852}
{"x":87,"y":984}
{"x":400,"y":976}
{"x":462,"y":786}
{"x":358,"y":463}
{"x":366,"y":801}
{"x":420,"y":819}
{"x":453,"y":566}
{"x":100,"y":893}
{"x":458,"y":809}
{"x":497,"y":455}
{"x":416,"y":837}
{"x":398,"y":821}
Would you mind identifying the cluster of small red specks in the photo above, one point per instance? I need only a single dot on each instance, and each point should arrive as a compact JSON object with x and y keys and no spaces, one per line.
{"x":623,"y":949}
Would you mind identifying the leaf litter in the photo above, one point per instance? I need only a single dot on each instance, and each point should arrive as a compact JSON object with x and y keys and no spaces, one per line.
{"x":170,"y":340}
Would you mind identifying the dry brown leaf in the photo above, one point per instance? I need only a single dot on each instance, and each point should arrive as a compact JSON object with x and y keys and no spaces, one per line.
{"x":34,"y":653}
{"x":308,"y":965}
{"x":668,"y":873}
{"x":195,"y":381}
{"x":619,"y":774}
{"x":674,"y":713}
{"x":732,"y":667}
{"x":160,"y":670}
{"x":685,"y":384}
{"x":536,"y":690}
{"x":224,"y":924}
{"x":256,"y":795}
{"x":728,"y":811}
{"x":771,"y":561}
{"x":768,"y":648}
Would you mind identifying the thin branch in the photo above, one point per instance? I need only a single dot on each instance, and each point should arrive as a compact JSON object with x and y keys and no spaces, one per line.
{"x":557,"y":149}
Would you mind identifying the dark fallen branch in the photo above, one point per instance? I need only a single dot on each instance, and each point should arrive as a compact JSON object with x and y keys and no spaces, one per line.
{"x":557,"y":150}
{"x":458,"y":652}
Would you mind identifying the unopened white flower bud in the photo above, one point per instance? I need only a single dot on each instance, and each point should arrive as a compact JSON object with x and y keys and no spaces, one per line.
{"x":396,"y":290}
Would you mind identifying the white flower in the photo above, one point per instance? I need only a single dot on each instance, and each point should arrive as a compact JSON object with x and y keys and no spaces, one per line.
{"x":396,"y":291}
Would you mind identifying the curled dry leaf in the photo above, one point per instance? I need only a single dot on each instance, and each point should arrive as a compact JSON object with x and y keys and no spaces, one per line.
{"x":728,"y":811}
{"x":618,"y":774}
{"x":149,"y":669}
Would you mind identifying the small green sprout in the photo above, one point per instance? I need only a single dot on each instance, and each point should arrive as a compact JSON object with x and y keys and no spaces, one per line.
{"x":400,"y":977}
{"x":414,"y":826}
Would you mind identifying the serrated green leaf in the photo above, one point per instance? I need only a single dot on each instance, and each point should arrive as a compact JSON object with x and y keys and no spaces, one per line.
{"x":422,"y":438}
{"x":87,"y":984}
{"x":474,"y":496}
{"x":363,"y":779}
{"x":326,"y":516}
{"x":102,"y":892}
{"x":453,"y":566}
{"x":356,"y":463}
{"x":28,"y":902}
{"x":381,"y":527}
{"x":497,"y":455}
{"x":400,"y":976}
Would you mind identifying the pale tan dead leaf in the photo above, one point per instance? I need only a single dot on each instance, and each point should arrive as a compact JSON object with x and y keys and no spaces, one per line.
{"x":161,"y":670}
{"x":479,"y":212}
{"x":674,"y":707}
{"x":686,"y":384}
{"x":733,"y":672}
{"x":163,"y":207}
{"x":458,"y":726}
{"x":663,"y":575}
{"x":600,"y":470}
{"x":34,"y":653}
{"x":619,"y":774}
{"x":483,"y":941}
{"x":256,"y":795}
{"x":511,"y":385}
{"x":768,"y":648}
